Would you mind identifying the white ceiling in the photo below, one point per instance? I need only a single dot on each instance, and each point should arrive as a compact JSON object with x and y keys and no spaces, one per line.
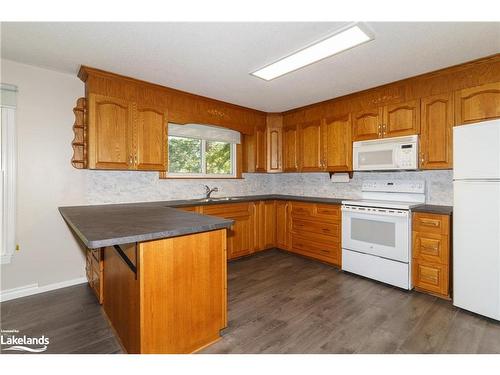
{"x":215,"y":59}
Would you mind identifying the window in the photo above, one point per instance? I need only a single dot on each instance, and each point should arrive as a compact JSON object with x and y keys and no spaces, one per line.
{"x":8,"y":171}
{"x":201,"y":151}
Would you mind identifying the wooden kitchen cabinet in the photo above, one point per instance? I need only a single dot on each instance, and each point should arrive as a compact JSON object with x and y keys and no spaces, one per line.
{"x":266,"y":225}
{"x":151,"y":139}
{"x":431,"y":253}
{"x":274,"y":142}
{"x":290,"y":149}
{"x":366,"y":124}
{"x":436,"y":138}
{"x":395,"y":120}
{"x":94,"y":270}
{"x":254,"y":146}
{"x":282,"y":224}
{"x":478,"y":103}
{"x":315,"y":231}
{"x":110,"y":133}
{"x":337,"y":143}
{"x":401,"y":119}
{"x":125,"y":135}
{"x":310,"y":146}
{"x":241,"y":235}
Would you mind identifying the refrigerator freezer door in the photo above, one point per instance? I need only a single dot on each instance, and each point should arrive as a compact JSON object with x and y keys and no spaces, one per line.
{"x":476,"y":151}
{"x":476,"y":247}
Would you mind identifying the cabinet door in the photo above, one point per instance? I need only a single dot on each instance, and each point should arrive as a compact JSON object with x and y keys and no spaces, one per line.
{"x":366,"y":124}
{"x":310,"y":152}
{"x":151,"y":139}
{"x":477,"y":103}
{"x":254,"y":149}
{"x":401,"y":119}
{"x":436,"y":140}
{"x":274,"y":150}
{"x":282,"y":224}
{"x":337,"y":143}
{"x":268,"y":224}
{"x":290,"y":149}
{"x":110,"y":133}
{"x":240,"y":237}
{"x":260,"y":150}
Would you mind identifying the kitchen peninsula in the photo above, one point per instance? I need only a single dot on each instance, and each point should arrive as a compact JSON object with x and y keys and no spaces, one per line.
{"x":160,"y":273}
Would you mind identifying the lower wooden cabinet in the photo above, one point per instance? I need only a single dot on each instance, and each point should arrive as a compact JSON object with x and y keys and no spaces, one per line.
{"x":315,"y":231}
{"x":266,"y":225}
{"x":241,"y":235}
{"x":94,"y":271}
{"x":431,"y":253}
{"x":282,"y":224}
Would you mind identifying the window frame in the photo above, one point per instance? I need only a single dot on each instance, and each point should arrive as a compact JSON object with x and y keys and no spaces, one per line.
{"x":8,"y":172}
{"x":203,"y":174}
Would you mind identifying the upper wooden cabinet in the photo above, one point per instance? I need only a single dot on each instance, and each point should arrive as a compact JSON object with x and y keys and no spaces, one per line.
{"x":337,"y":143}
{"x":290,"y":149}
{"x":393,"y":120}
{"x":274,"y":142}
{"x":401,"y":119}
{"x":477,"y":103}
{"x":151,"y":138}
{"x":366,"y":124}
{"x":436,"y":140}
{"x":110,"y":133}
{"x":254,"y":151}
{"x":125,"y":135}
{"x":310,"y":146}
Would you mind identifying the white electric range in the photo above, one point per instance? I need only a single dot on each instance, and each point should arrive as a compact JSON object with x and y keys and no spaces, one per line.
{"x":376,"y":231}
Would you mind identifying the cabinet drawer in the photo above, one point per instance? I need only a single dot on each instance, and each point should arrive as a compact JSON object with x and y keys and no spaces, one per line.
{"x":327,"y":211}
{"x":227,"y":210}
{"x":300,"y":226}
{"x":322,"y":248}
{"x":431,"y":247}
{"x":302,"y":210}
{"x":431,"y":223}
{"x":431,"y":277}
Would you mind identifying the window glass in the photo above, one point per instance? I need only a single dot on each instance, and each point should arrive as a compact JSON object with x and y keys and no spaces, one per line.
{"x":218,"y":157}
{"x":184,"y":155}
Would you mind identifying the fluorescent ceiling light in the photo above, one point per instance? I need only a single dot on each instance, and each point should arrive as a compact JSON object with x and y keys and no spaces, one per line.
{"x":337,"y":43}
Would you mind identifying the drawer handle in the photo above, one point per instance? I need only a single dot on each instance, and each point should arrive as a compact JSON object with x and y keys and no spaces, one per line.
{"x":430,"y":223}
{"x":326,"y":230}
{"x":430,"y":247}
{"x":325,"y":251}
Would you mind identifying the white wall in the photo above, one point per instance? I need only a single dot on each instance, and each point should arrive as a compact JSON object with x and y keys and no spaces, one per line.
{"x":49,"y":253}
{"x":45,"y":179}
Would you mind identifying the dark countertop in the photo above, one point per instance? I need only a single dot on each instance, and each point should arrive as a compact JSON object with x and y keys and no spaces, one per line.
{"x":250,"y":198}
{"x":115,"y":224}
{"x":434,"y":209}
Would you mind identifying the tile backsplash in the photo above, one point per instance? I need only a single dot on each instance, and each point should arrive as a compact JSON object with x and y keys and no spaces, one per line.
{"x":119,"y":187}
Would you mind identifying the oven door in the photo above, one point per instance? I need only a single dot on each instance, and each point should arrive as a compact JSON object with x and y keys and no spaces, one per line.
{"x":377,"y":231}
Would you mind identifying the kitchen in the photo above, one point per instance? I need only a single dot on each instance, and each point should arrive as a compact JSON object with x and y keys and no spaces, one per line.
{"x":184,"y":223}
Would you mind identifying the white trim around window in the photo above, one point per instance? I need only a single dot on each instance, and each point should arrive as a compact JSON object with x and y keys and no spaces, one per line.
{"x":8,"y":172}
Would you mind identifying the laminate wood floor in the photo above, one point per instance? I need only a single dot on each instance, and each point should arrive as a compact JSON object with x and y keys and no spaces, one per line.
{"x":281,"y":303}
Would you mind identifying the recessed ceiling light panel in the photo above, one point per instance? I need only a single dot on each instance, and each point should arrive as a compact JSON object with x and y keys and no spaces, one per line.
{"x":341,"y":41}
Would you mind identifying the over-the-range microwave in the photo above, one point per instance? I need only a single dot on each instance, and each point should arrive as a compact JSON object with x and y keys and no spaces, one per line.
{"x":398,"y":153}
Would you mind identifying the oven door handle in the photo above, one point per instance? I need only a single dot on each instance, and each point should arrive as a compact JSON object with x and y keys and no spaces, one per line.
{"x":375,"y":211}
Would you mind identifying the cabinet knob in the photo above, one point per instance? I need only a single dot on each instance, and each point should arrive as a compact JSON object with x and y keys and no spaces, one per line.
{"x":130,"y":159}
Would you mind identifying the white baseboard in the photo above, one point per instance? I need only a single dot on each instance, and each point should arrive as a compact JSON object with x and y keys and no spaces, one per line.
{"x":28,"y":290}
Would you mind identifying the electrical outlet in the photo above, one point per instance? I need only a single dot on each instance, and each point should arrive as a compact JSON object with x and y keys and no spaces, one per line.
{"x":17,"y":247}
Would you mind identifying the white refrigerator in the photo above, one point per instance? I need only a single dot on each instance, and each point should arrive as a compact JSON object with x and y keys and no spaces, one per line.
{"x":476,"y":218}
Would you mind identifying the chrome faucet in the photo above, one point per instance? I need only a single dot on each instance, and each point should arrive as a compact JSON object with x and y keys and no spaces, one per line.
{"x":209,"y":191}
